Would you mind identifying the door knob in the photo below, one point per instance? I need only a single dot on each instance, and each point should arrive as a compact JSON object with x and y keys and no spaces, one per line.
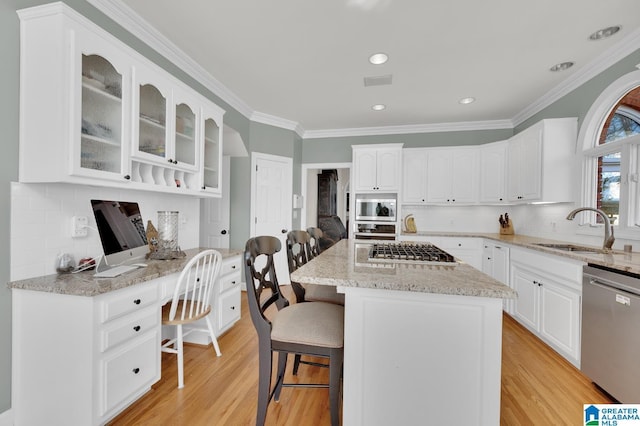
{"x":223,"y":232}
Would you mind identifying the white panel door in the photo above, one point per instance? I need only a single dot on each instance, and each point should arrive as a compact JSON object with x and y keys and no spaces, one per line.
{"x":214,"y":214}
{"x":271,"y":203}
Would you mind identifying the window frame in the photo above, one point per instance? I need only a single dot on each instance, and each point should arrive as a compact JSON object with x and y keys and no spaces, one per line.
{"x":628,"y":226}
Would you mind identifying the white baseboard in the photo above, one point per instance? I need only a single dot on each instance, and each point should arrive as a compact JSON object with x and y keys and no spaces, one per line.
{"x":6,"y":418}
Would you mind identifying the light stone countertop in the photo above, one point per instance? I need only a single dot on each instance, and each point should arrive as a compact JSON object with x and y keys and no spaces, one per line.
{"x":616,"y":259}
{"x":84,"y":284}
{"x":345,"y":264}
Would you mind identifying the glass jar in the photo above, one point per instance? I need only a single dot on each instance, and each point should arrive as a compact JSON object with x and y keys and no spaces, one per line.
{"x":168,"y":230}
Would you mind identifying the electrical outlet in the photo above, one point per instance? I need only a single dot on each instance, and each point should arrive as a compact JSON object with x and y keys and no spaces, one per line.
{"x":79,"y":226}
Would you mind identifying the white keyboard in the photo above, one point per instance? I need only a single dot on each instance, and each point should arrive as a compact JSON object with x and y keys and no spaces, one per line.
{"x":115,"y":271}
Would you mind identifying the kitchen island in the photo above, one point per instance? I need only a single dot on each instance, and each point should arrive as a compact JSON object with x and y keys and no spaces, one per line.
{"x":423,"y":341}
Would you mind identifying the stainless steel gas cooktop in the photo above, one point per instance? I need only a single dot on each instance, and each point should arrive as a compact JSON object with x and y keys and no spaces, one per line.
{"x":414,"y":253}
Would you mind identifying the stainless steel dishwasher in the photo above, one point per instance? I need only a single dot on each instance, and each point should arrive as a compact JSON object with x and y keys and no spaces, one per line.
{"x":611,"y":331}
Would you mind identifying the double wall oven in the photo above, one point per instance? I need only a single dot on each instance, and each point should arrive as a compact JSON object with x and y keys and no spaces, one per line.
{"x":375,"y":216}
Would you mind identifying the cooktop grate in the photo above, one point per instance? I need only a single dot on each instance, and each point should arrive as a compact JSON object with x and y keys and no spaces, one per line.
{"x":411,"y":252}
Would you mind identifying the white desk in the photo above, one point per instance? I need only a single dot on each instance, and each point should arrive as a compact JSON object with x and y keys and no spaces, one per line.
{"x":84,"y":349}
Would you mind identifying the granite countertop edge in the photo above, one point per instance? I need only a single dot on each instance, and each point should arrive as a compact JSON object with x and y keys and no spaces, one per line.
{"x":84,"y":284}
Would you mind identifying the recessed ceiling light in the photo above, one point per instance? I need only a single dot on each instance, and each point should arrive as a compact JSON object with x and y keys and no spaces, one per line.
{"x":378,"y":58}
{"x":378,"y":107}
{"x":605,"y":32}
{"x":468,"y":100}
{"x":561,"y":66}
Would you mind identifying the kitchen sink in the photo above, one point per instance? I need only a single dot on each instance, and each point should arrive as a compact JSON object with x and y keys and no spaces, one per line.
{"x":571,"y":247}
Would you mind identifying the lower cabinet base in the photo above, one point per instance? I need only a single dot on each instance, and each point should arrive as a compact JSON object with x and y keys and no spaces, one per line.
{"x":420,"y":358}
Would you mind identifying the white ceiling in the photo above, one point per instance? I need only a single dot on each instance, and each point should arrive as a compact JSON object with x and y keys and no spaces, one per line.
{"x":303,"y":61}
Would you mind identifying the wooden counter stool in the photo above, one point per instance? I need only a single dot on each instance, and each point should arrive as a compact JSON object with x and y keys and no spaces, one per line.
{"x":312,"y":328}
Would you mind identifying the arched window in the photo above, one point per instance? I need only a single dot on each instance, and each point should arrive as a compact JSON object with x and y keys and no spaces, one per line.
{"x":611,"y":140}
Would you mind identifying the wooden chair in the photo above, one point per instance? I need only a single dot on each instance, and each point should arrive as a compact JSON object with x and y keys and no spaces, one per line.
{"x":298,"y":254}
{"x":192,"y":302}
{"x":314,"y":241}
{"x":313,"y":328}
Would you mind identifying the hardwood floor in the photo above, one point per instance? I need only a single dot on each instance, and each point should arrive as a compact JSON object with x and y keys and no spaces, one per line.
{"x":538,"y":386}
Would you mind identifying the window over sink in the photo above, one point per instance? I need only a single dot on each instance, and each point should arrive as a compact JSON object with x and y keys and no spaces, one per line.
{"x":610,"y":138}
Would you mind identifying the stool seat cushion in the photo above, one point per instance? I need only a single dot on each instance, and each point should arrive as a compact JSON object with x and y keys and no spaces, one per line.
{"x":310,"y":323}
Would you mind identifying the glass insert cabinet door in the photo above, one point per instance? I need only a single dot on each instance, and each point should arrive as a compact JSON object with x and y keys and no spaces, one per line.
{"x":185,"y":142}
{"x":152,"y":122}
{"x":101,"y":139}
{"x":212,"y":155}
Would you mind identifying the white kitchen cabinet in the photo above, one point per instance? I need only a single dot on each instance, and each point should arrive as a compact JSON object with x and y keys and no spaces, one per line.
{"x":103,"y":114}
{"x":452,"y":175}
{"x":467,"y":249}
{"x":98,"y":354}
{"x":495,"y":262}
{"x":540,"y":164}
{"x":414,"y":175}
{"x":75,"y":117}
{"x":493,"y":169}
{"x":376,"y":168}
{"x":211,"y":178}
{"x":549,"y":299}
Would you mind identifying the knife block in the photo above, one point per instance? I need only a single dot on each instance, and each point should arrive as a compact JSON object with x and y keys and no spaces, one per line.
{"x":507,"y":230}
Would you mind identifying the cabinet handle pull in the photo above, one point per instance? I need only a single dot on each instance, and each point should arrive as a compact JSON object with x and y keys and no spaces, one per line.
{"x":233,"y":283}
{"x":127,"y":177}
{"x":233,"y":308}
{"x":136,"y":370}
{"x":233,"y":266}
{"x":137,"y":301}
{"x":136,"y":328}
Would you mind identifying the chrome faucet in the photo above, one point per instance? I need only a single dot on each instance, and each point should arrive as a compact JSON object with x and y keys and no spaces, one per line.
{"x":608,"y":228}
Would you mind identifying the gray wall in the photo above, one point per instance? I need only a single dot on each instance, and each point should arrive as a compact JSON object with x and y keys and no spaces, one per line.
{"x":338,"y":150}
{"x":258,"y":137}
{"x":267,"y":140}
{"x":578,"y":102}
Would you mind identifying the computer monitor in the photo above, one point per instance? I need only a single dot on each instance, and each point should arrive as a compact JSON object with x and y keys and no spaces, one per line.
{"x":121,"y":230}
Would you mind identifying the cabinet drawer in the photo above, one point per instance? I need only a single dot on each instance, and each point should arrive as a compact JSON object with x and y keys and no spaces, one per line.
{"x":129,"y":371}
{"x":460,"y":243}
{"x":128,"y":300}
{"x":129,"y":328}
{"x":229,"y":309}
{"x":230,"y":281}
{"x":230,"y":265}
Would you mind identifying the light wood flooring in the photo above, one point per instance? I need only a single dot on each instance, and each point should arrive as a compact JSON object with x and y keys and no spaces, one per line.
{"x":539,"y":387}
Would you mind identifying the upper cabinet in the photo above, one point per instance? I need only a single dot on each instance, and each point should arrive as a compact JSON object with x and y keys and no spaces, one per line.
{"x":104,"y":115}
{"x":376,"y":168}
{"x":536,"y":165}
{"x":524,"y":171}
{"x":493,"y":169}
{"x":452,"y":175}
{"x":414,"y":175}
{"x":99,"y":142}
{"x":540,"y":162}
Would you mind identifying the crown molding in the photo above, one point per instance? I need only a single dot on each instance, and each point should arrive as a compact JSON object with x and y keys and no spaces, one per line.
{"x":128,"y":19}
{"x":617,"y":52}
{"x":272,"y":120}
{"x":414,"y":128}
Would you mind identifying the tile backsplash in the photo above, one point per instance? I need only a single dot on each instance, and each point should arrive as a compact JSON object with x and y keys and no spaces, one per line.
{"x":41,"y":222}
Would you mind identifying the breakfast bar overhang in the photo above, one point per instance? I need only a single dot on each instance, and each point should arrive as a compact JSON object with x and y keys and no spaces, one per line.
{"x":423,"y":340}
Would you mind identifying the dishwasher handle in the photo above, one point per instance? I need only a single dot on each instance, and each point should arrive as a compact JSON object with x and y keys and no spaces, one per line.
{"x":611,"y":286}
